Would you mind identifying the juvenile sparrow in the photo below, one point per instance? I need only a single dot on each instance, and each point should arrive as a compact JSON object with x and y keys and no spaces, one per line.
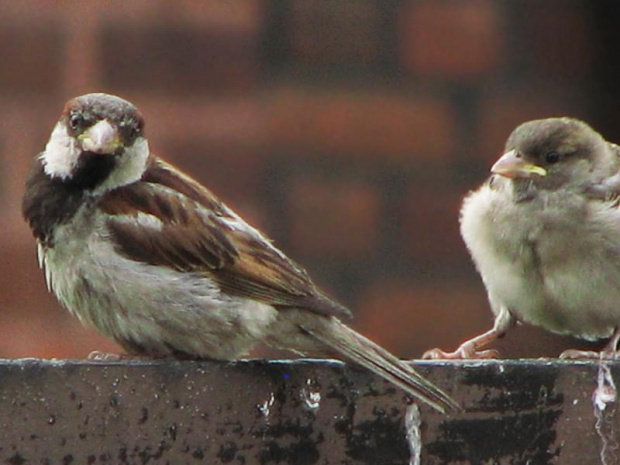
{"x":152,"y":259}
{"x":545,"y":236}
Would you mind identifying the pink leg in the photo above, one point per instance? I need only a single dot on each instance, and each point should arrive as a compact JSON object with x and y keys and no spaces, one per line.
{"x":609,"y":352}
{"x":109,"y":357}
{"x":471,"y":349}
{"x":104,"y":356}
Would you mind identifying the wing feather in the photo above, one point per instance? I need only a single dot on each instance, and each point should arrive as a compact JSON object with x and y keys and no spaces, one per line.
{"x":195,"y":232}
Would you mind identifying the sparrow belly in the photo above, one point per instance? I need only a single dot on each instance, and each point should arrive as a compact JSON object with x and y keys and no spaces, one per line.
{"x":544,"y":269}
{"x":149,"y":309}
{"x":580,"y":269}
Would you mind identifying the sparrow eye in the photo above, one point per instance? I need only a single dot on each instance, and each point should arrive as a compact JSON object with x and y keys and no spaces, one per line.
{"x":75,"y":121}
{"x":552,"y":157}
{"x":134,"y":131}
{"x":130,"y":130}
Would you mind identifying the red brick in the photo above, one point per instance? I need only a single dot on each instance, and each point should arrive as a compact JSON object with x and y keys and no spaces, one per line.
{"x":174,"y":59}
{"x":216,"y":120}
{"x":333,"y":217}
{"x":454,"y":40}
{"x":501,"y":112}
{"x":228,"y":170}
{"x":360,"y":125}
{"x":450,"y":39}
{"x":233,"y":173}
{"x":32,"y":321}
{"x":559,"y":46}
{"x":410,"y":318}
{"x":240,"y":15}
{"x":430,"y":229}
{"x":217,"y":141}
{"x":31,"y":62}
{"x":81,"y":54}
{"x":23,"y":288}
{"x":37,"y":12}
{"x":334,"y":32}
{"x":50,"y":336}
{"x":22,"y":137}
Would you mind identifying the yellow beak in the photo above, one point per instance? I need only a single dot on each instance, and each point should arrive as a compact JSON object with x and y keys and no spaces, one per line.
{"x":512,"y":165}
{"x":101,"y":138}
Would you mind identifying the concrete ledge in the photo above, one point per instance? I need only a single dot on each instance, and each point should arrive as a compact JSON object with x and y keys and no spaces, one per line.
{"x":299,"y":412}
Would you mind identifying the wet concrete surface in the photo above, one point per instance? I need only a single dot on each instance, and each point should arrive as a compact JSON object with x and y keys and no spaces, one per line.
{"x":300,"y":412}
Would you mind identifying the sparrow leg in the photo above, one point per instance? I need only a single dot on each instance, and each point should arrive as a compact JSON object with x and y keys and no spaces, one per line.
{"x":104,"y":356}
{"x":100,"y":356}
{"x":471,"y":349}
{"x":609,"y":352}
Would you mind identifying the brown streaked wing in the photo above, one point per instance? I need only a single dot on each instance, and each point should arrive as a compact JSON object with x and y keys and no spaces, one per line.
{"x":263,"y":274}
{"x":185,"y":241}
{"x":161,"y":173}
{"x":197,"y":234}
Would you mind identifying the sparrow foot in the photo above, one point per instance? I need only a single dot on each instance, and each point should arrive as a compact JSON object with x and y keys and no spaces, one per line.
{"x":104,"y":356}
{"x":109,"y":357}
{"x":471,"y":349}
{"x":465,"y":352}
{"x":573,"y":354}
{"x":609,"y":352}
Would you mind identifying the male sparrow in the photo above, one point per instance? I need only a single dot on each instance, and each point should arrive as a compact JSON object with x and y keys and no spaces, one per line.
{"x":544,"y":234}
{"x":152,"y":259}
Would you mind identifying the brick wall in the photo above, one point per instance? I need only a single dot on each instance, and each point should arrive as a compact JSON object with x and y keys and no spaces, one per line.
{"x":348,"y":131}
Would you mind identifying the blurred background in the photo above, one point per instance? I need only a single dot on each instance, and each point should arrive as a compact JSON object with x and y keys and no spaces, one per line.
{"x":349,"y":131}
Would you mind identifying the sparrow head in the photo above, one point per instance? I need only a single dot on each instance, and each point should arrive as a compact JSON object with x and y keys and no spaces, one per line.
{"x":98,"y":143}
{"x":553,"y":153}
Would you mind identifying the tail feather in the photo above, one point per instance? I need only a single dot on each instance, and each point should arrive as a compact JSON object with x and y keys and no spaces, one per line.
{"x":366,"y":353}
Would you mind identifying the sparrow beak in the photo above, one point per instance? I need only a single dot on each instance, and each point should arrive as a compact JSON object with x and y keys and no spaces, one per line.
{"x":512,"y":165}
{"x":101,"y":138}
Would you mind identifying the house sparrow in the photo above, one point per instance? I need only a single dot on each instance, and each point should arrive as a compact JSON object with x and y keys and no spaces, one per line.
{"x":152,"y":259}
{"x":544,"y":233}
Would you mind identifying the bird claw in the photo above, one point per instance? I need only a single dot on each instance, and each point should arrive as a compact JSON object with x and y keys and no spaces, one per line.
{"x":465,"y":352}
{"x":573,"y":354}
{"x":99,"y":356}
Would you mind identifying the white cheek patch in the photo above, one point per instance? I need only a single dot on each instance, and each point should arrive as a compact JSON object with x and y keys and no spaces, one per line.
{"x":61,"y":153}
{"x":130,"y":168}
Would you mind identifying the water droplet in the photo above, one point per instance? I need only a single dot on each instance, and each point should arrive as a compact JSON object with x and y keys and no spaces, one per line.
{"x":265,"y":407}
{"x":311,"y":395}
